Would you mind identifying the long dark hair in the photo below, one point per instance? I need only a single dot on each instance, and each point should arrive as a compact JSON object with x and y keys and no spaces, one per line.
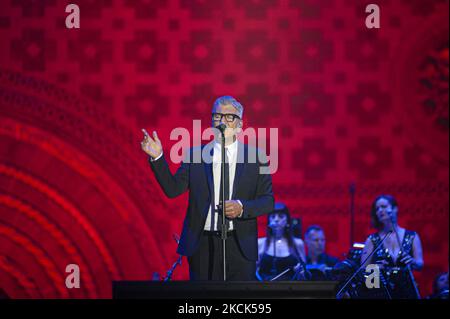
{"x":281,"y":208}
{"x":376,"y":223}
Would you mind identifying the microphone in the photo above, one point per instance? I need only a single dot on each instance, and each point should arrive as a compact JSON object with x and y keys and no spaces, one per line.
{"x":221,"y":127}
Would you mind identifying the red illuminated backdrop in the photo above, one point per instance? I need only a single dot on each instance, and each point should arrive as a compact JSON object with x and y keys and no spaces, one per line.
{"x":352,"y":104}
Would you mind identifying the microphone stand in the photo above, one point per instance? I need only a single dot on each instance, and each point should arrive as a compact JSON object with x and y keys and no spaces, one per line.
{"x":178,"y":262}
{"x":223,"y":227}
{"x":362,"y":266}
{"x":408,"y":268}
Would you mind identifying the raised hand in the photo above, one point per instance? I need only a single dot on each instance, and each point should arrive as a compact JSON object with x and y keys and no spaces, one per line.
{"x":151,"y":146}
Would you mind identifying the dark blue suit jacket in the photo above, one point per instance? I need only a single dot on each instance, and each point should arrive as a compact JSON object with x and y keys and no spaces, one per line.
{"x":251,"y":187}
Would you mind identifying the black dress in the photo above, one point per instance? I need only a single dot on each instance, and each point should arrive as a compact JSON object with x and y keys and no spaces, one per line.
{"x":270,"y":267}
{"x":395,"y":275}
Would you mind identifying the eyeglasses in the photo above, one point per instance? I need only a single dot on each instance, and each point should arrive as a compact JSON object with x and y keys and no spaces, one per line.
{"x":229,"y":117}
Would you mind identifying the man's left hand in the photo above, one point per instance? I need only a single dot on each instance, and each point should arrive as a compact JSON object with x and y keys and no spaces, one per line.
{"x":232,"y":209}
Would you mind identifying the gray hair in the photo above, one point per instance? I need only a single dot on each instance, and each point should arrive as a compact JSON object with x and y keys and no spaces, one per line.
{"x":313,"y":228}
{"x":225,"y":100}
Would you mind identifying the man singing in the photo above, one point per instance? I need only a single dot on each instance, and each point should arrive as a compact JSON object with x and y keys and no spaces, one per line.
{"x":248,"y":194}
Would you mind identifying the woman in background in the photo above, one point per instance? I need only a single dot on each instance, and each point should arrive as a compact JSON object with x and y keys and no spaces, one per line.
{"x":399,"y":254}
{"x":281,"y":255}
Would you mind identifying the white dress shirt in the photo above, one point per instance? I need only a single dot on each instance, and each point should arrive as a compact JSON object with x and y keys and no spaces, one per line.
{"x":232,"y":151}
{"x":216,"y":163}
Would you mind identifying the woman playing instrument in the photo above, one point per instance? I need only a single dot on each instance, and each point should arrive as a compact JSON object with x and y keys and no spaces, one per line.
{"x":398,"y":255}
{"x":281,"y":255}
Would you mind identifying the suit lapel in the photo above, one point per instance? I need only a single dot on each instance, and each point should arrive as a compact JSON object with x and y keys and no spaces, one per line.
{"x":241,"y":155}
{"x":209,"y":172}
